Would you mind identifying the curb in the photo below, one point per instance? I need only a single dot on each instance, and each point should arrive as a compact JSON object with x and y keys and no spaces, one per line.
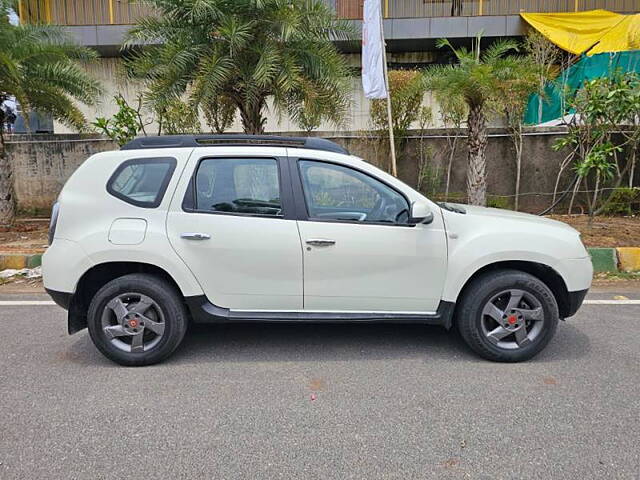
{"x":19,"y":261}
{"x":604,"y":259}
{"x":624,"y":259}
{"x":629,"y":259}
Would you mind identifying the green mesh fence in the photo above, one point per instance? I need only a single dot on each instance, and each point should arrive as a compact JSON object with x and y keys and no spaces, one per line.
{"x":553,"y":105}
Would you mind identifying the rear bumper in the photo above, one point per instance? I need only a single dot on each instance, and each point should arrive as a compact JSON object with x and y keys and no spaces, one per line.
{"x":575,"y":300}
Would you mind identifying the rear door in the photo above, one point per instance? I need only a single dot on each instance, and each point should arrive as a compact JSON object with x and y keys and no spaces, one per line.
{"x":232,"y":222}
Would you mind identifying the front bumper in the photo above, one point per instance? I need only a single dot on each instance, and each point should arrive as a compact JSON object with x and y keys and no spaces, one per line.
{"x":574,"y":301}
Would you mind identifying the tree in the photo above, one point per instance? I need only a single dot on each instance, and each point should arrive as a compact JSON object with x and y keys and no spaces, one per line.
{"x":546,"y":57}
{"x":512,"y":103}
{"x":244,"y":51}
{"x":39,"y":68}
{"x":475,"y":79}
{"x":453,"y":111}
{"x":605,"y":124}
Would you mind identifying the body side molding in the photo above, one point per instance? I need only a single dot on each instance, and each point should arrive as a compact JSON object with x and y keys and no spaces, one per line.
{"x":203,"y":311}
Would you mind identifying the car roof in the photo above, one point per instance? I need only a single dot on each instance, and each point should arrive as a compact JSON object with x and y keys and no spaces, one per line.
{"x":177,"y":141}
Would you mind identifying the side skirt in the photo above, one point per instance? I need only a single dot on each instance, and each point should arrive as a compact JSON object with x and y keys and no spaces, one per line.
{"x":203,"y":311}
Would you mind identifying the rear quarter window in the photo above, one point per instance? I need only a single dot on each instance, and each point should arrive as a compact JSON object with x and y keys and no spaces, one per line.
{"x":142,"y":181}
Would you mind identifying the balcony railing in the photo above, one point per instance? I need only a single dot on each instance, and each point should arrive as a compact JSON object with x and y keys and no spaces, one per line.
{"x":122,"y":12}
{"x":471,"y":8}
{"x":81,"y":12}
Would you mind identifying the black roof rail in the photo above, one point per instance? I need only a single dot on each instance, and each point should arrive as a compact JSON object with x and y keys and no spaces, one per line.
{"x":175,"y":141}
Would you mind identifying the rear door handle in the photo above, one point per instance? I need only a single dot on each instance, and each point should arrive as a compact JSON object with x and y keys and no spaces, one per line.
{"x":320,"y":242}
{"x":195,"y":236}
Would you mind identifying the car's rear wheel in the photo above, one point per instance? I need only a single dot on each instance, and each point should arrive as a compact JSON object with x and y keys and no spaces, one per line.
{"x":137,"y":319}
{"x":507,"y":315}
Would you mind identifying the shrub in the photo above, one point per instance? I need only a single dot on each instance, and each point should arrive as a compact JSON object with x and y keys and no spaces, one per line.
{"x":497,"y":201}
{"x":622,"y":201}
{"x":124,"y":126}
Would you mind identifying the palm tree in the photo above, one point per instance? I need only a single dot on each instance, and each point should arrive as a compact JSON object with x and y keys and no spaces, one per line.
{"x":38,"y":68}
{"x":475,"y":80}
{"x":246,"y":51}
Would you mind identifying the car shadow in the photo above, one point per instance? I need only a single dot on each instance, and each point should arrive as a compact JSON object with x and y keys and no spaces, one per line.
{"x":277,"y":342}
{"x":343,"y":342}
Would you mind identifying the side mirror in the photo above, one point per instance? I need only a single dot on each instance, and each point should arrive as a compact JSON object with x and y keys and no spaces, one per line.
{"x":420,"y":213}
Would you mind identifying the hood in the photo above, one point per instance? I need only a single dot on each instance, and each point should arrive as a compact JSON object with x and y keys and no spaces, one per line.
{"x":498,"y":214}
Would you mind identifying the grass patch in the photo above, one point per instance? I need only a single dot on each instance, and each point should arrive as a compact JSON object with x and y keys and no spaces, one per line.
{"x":617,"y":276}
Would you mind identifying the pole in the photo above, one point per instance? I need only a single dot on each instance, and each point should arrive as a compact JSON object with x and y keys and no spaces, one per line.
{"x":392,"y":143}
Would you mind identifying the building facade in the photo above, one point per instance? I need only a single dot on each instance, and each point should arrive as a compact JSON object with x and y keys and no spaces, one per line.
{"x":411,"y":30}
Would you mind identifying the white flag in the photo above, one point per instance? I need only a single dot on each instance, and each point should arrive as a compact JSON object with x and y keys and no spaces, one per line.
{"x":373,"y":82}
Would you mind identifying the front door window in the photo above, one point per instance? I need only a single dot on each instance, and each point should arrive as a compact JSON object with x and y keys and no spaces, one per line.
{"x":335,"y":192}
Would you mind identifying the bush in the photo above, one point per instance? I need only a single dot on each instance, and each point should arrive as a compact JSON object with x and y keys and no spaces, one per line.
{"x":124,"y":126}
{"x":496,"y":201}
{"x":623,"y":201}
{"x":406,"y":98}
{"x":180,"y":118}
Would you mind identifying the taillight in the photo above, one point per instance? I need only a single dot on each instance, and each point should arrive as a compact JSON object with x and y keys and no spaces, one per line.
{"x":54,"y":220}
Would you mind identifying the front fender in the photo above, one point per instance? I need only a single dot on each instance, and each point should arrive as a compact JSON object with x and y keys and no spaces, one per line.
{"x":476,"y":242}
{"x":462,"y":267}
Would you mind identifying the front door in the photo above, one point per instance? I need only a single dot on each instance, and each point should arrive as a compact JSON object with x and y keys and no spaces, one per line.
{"x":360,"y":253}
{"x":231,"y":226}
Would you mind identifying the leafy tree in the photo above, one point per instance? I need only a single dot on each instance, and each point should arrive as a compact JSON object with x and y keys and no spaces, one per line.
{"x":245,"y":51}
{"x":605,"y":124}
{"x":475,"y":79}
{"x":39,"y":68}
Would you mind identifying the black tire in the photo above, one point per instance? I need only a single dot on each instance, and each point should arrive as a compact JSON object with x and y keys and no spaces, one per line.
{"x":166,"y":298}
{"x":472,"y":323}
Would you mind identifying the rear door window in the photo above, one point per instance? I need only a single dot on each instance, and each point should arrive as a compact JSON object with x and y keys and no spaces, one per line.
{"x":244,"y":186}
{"x":143,"y":181}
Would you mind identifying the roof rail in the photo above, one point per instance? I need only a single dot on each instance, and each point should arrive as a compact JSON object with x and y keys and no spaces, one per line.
{"x":175,"y":141}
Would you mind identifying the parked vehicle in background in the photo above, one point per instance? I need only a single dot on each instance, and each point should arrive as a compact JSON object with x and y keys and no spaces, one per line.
{"x":177,"y":229}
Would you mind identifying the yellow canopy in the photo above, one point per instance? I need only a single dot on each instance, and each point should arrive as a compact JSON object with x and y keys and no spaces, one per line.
{"x":591,"y":32}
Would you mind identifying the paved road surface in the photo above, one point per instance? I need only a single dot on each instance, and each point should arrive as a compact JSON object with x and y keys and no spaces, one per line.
{"x":277,"y":401}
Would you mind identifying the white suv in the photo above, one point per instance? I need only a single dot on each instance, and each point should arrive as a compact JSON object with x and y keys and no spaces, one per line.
{"x":236,"y":228}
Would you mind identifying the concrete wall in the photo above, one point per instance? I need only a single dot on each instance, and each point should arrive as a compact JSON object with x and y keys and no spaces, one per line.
{"x":42,"y":163}
{"x":540,"y":164}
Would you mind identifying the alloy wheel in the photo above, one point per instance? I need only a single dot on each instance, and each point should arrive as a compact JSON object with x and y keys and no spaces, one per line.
{"x":133,"y":322}
{"x":512,"y":319}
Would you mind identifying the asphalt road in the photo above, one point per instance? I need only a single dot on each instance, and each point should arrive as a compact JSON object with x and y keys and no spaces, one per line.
{"x":278,"y":401}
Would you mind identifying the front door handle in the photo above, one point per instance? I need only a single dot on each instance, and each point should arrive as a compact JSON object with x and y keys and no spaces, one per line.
{"x":195,"y":236}
{"x":320,"y":242}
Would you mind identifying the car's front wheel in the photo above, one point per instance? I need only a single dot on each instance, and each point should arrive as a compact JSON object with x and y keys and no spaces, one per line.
{"x":507,"y":315}
{"x":137,"y":319}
